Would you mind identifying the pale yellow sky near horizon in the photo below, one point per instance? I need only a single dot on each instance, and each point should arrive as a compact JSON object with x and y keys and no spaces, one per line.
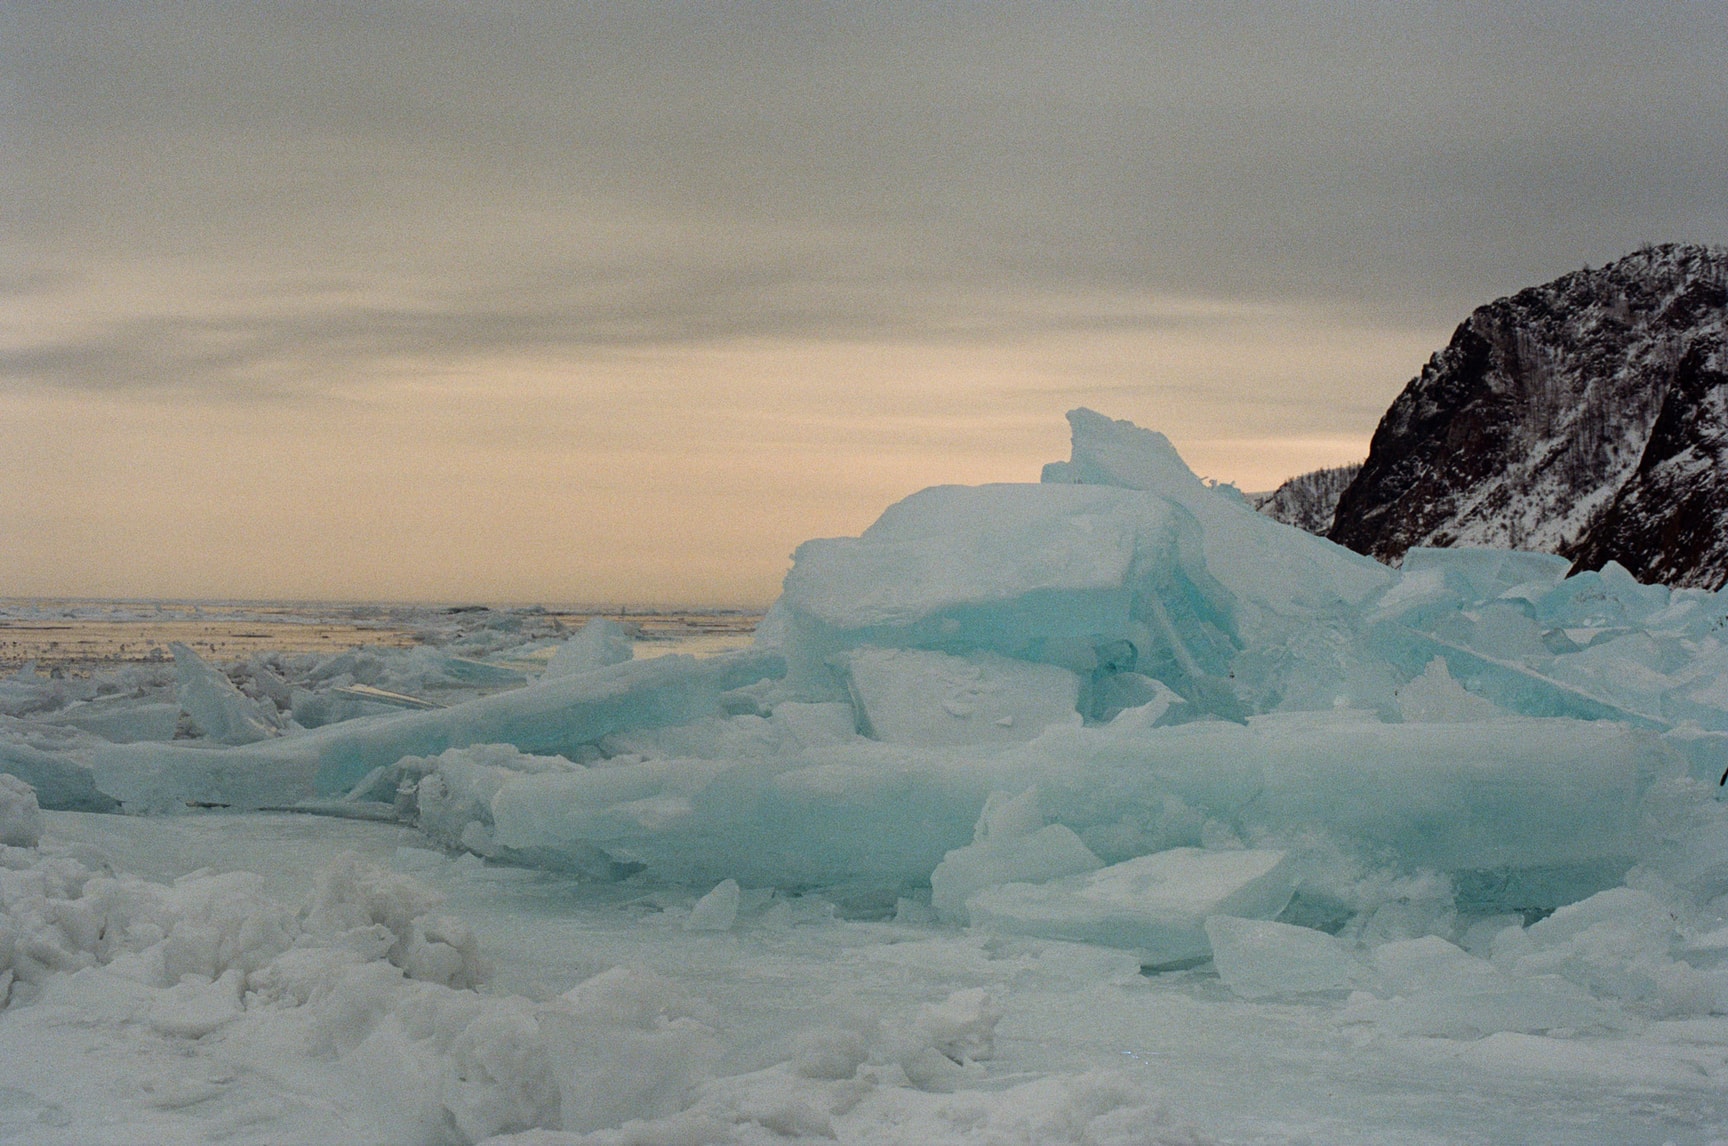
{"x":671,"y":475}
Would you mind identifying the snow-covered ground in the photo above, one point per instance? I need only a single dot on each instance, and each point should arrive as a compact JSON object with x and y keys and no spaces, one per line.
{"x":1101,"y":810}
{"x":1084,"y":1046}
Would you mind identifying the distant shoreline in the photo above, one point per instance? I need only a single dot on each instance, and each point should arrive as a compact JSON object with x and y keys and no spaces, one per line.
{"x":81,"y":635}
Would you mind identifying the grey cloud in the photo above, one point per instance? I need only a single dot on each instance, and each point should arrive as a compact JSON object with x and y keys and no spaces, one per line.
{"x":286,"y":343}
{"x":829,"y":169}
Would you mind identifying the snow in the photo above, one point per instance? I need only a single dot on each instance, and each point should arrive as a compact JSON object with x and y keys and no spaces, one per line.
{"x":20,"y":814}
{"x":1102,"y":809}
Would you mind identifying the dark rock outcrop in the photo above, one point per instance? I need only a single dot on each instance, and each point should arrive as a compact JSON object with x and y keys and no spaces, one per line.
{"x":1669,"y":523}
{"x":1568,"y":418}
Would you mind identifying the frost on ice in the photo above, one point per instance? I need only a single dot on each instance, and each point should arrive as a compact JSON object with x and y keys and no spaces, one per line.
{"x":1471,"y":799}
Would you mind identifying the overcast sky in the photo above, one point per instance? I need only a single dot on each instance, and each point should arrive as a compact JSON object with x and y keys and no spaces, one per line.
{"x":619,"y":302}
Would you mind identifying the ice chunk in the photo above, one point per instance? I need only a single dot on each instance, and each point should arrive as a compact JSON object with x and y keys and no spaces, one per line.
{"x":1434,"y":697}
{"x":1696,"y":862}
{"x":554,"y":717}
{"x":1119,"y":563}
{"x":1473,"y":575}
{"x":121,"y":719}
{"x":382,"y":696}
{"x":861,"y":812}
{"x":482,"y":674}
{"x":962,"y":1028}
{"x":221,"y":711}
{"x":452,"y":793}
{"x":1262,"y":959}
{"x":1542,"y":811}
{"x":1608,"y":597}
{"x":908,"y":696}
{"x":599,"y":643}
{"x":1558,"y":796}
{"x":1066,"y":575}
{"x":1513,"y":686}
{"x":815,"y":725}
{"x":1012,"y":551}
{"x":717,"y":910}
{"x":1271,"y":566}
{"x":1618,"y":943}
{"x":64,"y":781}
{"x":20,"y":817}
{"x":1010,"y":845}
{"x":1157,"y":904}
{"x":1432,"y":987}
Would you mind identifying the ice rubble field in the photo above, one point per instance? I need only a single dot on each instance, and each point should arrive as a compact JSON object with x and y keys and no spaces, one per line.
{"x":1098,"y":810}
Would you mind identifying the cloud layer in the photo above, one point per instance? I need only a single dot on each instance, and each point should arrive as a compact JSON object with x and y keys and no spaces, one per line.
{"x":303,"y":204}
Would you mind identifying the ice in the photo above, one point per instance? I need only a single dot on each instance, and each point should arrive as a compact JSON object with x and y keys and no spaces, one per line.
{"x":562,"y":715}
{"x":194,"y":1007}
{"x":1620,"y":944}
{"x":872,"y":1033}
{"x":1485,"y":574}
{"x":962,"y":1028}
{"x":1062,"y":575}
{"x":599,"y":643}
{"x":1534,"y":812}
{"x":1430,"y":987}
{"x":20,"y":815}
{"x":1435,"y":698}
{"x":1273,"y":570}
{"x":864,"y":814}
{"x":1263,"y":959}
{"x":121,"y":719}
{"x":907,"y":696}
{"x":716,"y":911}
{"x":63,"y":779}
{"x":1011,"y":844}
{"x":361,"y":976}
{"x":1157,"y":905}
{"x":219,"y":710}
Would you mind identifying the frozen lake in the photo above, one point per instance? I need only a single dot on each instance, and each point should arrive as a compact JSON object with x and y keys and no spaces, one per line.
{"x":1099,"y":811}
{"x":1181,"y":1042}
{"x":82,"y":636}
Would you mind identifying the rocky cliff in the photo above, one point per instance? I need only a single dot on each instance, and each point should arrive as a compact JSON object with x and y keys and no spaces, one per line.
{"x":1585,"y":417}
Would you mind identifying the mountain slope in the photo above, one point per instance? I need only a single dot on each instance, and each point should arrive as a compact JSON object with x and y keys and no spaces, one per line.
{"x":1308,"y":500}
{"x":1542,"y":413}
{"x":1669,"y":523}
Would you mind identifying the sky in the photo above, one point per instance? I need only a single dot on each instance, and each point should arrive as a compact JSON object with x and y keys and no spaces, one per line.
{"x":618,"y":302}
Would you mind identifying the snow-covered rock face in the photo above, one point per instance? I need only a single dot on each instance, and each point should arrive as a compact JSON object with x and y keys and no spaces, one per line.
{"x":1308,"y":500}
{"x":1667,"y":523}
{"x":1582,"y":417}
